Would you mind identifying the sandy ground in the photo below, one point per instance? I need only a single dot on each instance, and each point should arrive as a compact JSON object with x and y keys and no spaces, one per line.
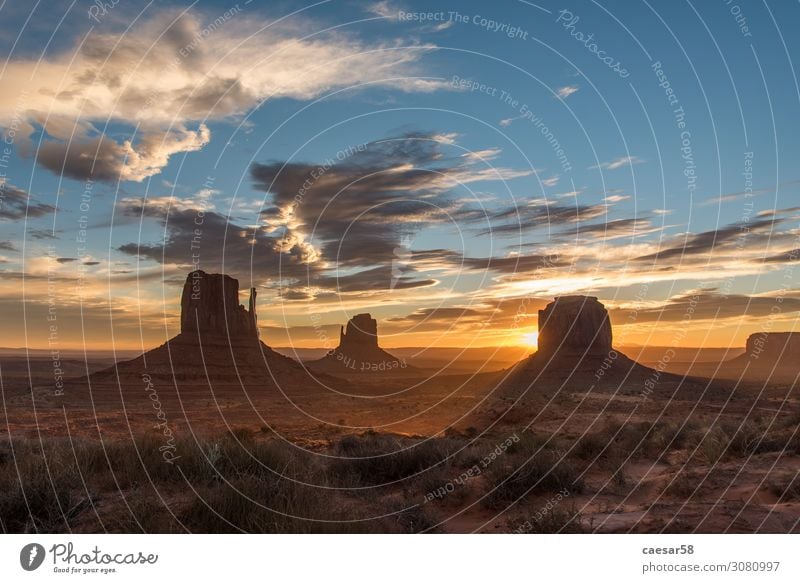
{"x":674,"y":490}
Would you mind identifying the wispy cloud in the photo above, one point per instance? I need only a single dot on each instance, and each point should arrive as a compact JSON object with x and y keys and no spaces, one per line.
{"x":618,"y":163}
{"x":564,"y":92}
{"x":384,"y":8}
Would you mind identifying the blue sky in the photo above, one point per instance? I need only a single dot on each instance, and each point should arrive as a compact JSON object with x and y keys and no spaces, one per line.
{"x":471,"y":143}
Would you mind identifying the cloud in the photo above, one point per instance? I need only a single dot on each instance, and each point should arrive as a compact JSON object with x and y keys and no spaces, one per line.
{"x":212,"y":241}
{"x":785,"y":257}
{"x":359,"y":210}
{"x":617,"y":228}
{"x":8,"y":246}
{"x":167,"y":76}
{"x":330,"y":227}
{"x":535,"y":214}
{"x":713,"y":240}
{"x":618,"y":163}
{"x":564,"y":92}
{"x":104,"y":159}
{"x":384,"y":8}
{"x":40,"y":234}
{"x":16,"y":204}
{"x":708,"y":305}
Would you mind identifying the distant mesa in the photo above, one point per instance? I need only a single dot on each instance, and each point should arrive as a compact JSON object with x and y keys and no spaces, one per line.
{"x":358,"y":351}
{"x":576,"y":354}
{"x":768,"y":355}
{"x":774,"y":348}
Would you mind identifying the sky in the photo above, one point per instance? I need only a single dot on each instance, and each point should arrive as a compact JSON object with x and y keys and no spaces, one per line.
{"x":449,"y":167}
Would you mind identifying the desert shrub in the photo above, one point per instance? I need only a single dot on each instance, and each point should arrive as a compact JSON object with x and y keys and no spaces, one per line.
{"x":241,"y":434}
{"x":681,"y":485}
{"x":143,"y":510}
{"x":412,"y":520}
{"x":509,"y":480}
{"x":271,"y":504}
{"x":787,"y":490}
{"x":373,"y":459}
{"x":557,"y":520}
{"x":712,"y":445}
{"x":40,"y":490}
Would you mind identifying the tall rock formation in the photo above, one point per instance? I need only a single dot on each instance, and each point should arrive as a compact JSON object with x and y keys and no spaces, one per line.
{"x":361,"y":334}
{"x":358,"y":351}
{"x":218,"y":345}
{"x":576,"y":354}
{"x":574,"y":325}
{"x":210,"y":307}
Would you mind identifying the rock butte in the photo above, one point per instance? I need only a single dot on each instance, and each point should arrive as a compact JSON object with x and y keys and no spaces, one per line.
{"x":774,"y":347}
{"x":775,"y":355}
{"x":576,"y":354}
{"x":218,"y":344}
{"x":210,"y":307}
{"x":358,"y":351}
{"x":574,"y":325}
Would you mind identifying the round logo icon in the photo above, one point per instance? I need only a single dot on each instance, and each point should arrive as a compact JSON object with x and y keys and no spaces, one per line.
{"x":31,"y":556}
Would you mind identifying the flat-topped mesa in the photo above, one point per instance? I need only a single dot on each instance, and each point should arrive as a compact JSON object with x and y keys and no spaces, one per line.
{"x":574,"y":325}
{"x":210,"y":306}
{"x":361,"y":333}
{"x":774,"y":347}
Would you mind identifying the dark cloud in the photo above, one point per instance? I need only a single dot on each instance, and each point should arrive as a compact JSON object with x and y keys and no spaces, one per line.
{"x":511,"y":313}
{"x":709,"y":305}
{"x":213,"y":242}
{"x":785,"y":257}
{"x":44,"y":233}
{"x":101,"y":158}
{"x":66,"y":259}
{"x":440,"y":315}
{"x":537,"y":214}
{"x":442,"y":258}
{"x":716,"y":239}
{"x":8,"y":246}
{"x":514,"y":263}
{"x":614,"y":228}
{"x":361,"y":208}
{"x":375,"y":279}
{"x":16,"y":204}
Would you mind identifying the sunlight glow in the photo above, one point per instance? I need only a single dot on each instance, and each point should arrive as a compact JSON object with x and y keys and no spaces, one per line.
{"x":531,"y":339}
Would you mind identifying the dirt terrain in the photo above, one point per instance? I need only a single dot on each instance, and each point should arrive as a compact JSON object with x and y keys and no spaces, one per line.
{"x":693,"y":456}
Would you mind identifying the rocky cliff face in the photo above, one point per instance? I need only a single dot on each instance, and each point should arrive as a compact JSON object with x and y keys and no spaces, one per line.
{"x":574,"y":325}
{"x":210,"y":306}
{"x":774,"y":347}
{"x":361,"y":334}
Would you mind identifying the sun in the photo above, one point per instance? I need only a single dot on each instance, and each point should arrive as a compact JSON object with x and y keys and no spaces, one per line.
{"x":531,"y":339}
